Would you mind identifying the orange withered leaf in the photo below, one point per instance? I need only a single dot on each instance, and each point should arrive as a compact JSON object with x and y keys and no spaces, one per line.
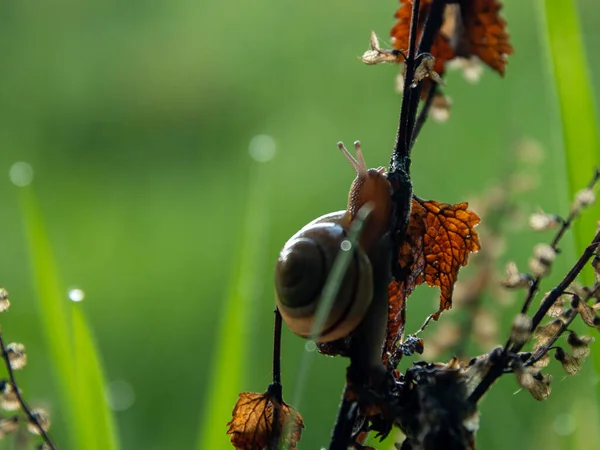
{"x":438,"y":241}
{"x":486,"y":32}
{"x":470,"y":28}
{"x":259,"y":420}
{"x":440,"y":49}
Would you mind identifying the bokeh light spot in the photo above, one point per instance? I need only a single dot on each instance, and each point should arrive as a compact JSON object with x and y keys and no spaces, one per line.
{"x":262,"y":148}
{"x":21,"y":174}
{"x":564,"y":424}
{"x":120,"y":395}
{"x":76,"y":295}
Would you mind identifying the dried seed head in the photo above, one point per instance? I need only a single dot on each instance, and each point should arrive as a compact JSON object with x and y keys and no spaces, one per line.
{"x":569,"y":363}
{"x":544,"y":333}
{"x":440,"y":107}
{"x":471,"y":68}
{"x":8,"y":425}
{"x":543,"y":360}
{"x":543,"y":257}
{"x":16,"y":355}
{"x":485,"y":329}
{"x":4,"y":301}
{"x":514,"y":278}
{"x":557,"y":308}
{"x":520,"y":331}
{"x":541,"y":221}
{"x":587,"y":313}
{"x":531,"y":379}
{"x":42,"y":418}
{"x":583,"y":199}
{"x":425,"y":69}
{"x":580,"y":345}
{"x":596,"y":266}
{"x":377,"y":55}
{"x":8,"y":400}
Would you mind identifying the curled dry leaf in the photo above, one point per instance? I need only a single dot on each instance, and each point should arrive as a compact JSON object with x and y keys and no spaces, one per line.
{"x":470,"y":28}
{"x":259,"y":421}
{"x":438,"y":241}
{"x":441,"y":48}
{"x":485,"y":33}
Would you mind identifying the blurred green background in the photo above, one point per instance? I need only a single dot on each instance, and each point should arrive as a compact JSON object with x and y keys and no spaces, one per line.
{"x":137,"y":118}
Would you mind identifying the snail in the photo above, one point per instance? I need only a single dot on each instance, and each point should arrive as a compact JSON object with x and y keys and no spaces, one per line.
{"x":306,"y":259}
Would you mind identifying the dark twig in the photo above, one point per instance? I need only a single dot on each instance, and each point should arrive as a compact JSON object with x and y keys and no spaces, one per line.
{"x":347,"y":414}
{"x":277,"y":348}
{"x":30,"y":416}
{"x":566,"y":224}
{"x":424,"y":114}
{"x":498,"y":367}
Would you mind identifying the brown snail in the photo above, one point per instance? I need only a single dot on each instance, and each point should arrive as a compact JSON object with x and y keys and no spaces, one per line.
{"x":306,"y":259}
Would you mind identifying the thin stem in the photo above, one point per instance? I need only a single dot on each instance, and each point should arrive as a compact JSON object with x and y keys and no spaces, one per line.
{"x":554,"y":244}
{"x":24,"y":407}
{"x":497,"y":368}
{"x":424,"y":114}
{"x":432,"y":26}
{"x":400,"y":156}
{"x":342,"y":432}
{"x":277,"y":348}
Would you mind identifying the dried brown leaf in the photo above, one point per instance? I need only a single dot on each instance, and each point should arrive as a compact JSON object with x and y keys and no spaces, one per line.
{"x":438,"y":241}
{"x":259,"y":421}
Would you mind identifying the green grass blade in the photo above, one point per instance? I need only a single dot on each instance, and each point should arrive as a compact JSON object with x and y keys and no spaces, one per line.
{"x":98,"y":429}
{"x":570,"y":71}
{"x":227,"y":370}
{"x":578,"y":117}
{"x":60,"y":325}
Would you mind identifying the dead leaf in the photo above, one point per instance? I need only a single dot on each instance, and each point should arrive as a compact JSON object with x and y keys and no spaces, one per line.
{"x":438,"y":241}
{"x":469,"y":28}
{"x":440,"y":49}
{"x":486,"y":32}
{"x":259,"y":420}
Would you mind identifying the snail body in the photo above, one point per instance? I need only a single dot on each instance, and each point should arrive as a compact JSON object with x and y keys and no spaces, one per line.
{"x":306,"y":259}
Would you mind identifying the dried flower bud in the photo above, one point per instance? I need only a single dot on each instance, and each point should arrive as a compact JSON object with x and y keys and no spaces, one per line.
{"x":532,"y":380}
{"x":543,"y":360}
{"x":485,"y":329}
{"x":16,"y":355}
{"x":569,"y":363}
{"x":43,"y":420}
{"x":8,"y":400}
{"x":425,"y":69}
{"x":541,"y":221}
{"x":377,"y":55}
{"x":514,"y":278}
{"x":596,"y":266}
{"x":580,"y":345}
{"x":543,"y":257}
{"x":520,"y":331}
{"x":544,"y":333}
{"x":440,"y":107}
{"x":4,"y":301}
{"x":557,"y":308}
{"x":583,"y":199}
{"x":587,"y":313}
{"x":471,"y":68}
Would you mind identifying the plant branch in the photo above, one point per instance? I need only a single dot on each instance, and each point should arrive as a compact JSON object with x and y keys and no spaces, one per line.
{"x":497,"y":368}
{"x":30,"y":416}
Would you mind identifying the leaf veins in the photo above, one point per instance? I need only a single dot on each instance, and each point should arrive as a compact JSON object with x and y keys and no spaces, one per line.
{"x":437,"y":244}
{"x":259,"y":421}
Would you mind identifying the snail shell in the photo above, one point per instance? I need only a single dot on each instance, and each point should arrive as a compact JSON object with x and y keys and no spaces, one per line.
{"x":301,"y":272}
{"x":306,"y":259}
